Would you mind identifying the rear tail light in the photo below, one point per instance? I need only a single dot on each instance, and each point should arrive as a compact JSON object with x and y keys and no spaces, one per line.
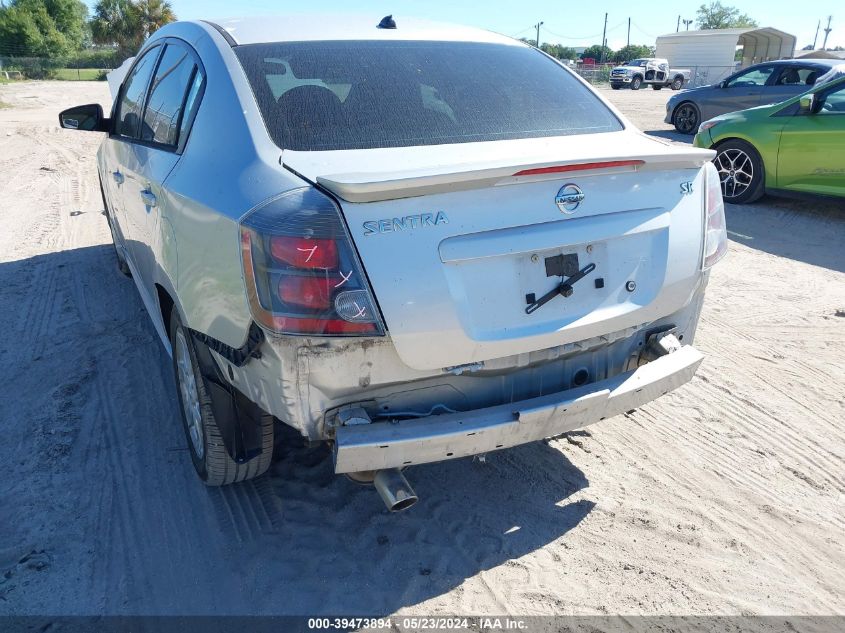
{"x":303,"y":252}
{"x":715,"y":229}
{"x":302,"y":275}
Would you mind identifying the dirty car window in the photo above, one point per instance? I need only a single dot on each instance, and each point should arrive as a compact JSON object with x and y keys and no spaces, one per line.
{"x":362,"y":94}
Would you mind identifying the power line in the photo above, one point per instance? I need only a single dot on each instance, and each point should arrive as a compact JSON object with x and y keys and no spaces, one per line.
{"x":637,"y":26}
{"x":584,"y":37}
{"x":528,"y":28}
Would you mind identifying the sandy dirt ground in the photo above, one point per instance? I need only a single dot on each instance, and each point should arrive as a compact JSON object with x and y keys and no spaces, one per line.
{"x":725,"y":497}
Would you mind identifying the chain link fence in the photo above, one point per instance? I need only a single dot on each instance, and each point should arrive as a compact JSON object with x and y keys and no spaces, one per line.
{"x":699,"y":75}
{"x":89,"y":67}
{"x":595,"y":74}
{"x":706,"y":75}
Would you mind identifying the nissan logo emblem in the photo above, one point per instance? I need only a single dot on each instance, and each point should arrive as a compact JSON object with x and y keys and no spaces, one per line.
{"x":568,"y":198}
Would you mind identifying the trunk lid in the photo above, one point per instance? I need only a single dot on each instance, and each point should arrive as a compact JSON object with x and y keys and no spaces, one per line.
{"x":455,"y":237}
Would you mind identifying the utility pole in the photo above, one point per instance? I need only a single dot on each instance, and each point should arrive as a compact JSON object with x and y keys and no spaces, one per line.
{"x":629,"y":32}
{"x":816,"y":38}
{"x":678,"y":26}
{"x":687,"y":23}
{"x":827,"y":32}
{"x":603,"y":39}
{"x":538,"y":25}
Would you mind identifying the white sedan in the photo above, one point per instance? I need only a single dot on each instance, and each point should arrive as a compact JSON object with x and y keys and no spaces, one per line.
{"x":414,"y":241}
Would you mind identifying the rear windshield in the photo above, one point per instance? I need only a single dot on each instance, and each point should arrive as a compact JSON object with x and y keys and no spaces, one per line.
{"x":363,"y":94}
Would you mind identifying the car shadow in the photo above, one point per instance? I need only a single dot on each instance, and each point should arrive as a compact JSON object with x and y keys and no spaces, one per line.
{"x":473,"y":516}
{"x":104,"y":482}
{"x":810,"y":231}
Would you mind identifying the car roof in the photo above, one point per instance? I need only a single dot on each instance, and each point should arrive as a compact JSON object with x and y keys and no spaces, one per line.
{"x":325,"y":27}
{"x":803,"y":61}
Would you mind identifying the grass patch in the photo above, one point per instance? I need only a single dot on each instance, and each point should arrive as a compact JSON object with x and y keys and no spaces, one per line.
{"x":3,"y":104}
{"x":81,"y":74}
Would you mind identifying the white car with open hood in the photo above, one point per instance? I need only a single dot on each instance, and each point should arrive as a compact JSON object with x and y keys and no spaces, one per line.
{"x":413,"y":241}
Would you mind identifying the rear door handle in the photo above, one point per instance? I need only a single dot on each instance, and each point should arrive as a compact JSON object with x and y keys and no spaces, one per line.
{"x":148,"y":197}
{"x":118,"y":177}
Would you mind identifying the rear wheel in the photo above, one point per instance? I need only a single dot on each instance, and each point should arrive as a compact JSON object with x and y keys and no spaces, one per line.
{"x":677,"y":83}
{"x":199,"y":419}
{"x":636,"y":83}
{"x":686,"y":118}
{"x":656,"y":87}
{"x":740,"y":170}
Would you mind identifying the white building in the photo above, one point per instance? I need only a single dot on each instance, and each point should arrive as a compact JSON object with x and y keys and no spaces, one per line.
{"x":710,"y":54}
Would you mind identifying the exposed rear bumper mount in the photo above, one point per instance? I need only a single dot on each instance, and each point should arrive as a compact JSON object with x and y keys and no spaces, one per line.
{"x":382,"y":445}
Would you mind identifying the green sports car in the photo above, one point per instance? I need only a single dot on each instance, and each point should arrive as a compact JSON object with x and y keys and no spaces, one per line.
{"x":796,"y":146}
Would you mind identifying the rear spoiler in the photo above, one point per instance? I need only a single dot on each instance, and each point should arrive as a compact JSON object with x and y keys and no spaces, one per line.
{"x":375,"y":187}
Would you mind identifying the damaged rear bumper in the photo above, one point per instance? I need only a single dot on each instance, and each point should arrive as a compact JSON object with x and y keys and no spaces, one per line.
{"x":376,"y":446}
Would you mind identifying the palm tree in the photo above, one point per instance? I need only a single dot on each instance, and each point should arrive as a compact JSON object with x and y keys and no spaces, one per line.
{"x":154,"y":14}
{"x":127,"y":23}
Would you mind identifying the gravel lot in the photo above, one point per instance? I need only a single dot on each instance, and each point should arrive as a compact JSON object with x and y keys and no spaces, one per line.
{"x":725,"y":497}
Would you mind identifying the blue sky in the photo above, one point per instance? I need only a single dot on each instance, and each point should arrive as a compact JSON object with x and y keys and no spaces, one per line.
{"x":572,"y":23}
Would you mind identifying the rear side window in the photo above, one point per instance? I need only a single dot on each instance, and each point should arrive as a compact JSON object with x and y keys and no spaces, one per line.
{"x":191,"y":102}
{"x":163,"y":116}
{"x":363,"y":94}
{"x":132,"y":98}
{"x":798,"y":76}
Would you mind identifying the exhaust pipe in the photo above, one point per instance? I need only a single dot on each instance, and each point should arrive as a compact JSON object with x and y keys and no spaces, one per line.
{"x":394,"y":489}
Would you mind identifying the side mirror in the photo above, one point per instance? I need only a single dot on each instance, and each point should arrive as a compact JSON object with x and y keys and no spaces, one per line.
{"x":85,"y":117}
{"x":723,"y":83}
{"x":806,"y":104}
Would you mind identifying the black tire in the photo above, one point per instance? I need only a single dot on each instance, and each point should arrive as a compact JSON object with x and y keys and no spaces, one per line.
{"x":208,"y":452}
{"x":741,"y":171}
{"x":615,"y":86}
{"x":656,"y":87}
{"x":686,"y":118}
{"x":122,"y":266}
{"x":636,"y":83}
{"x":677,"y":83}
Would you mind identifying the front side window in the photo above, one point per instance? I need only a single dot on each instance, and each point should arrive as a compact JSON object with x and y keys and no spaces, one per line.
{"x":751,"y":78}
{"x":834,"y":102}
{"x":132,"y":97}
{"x":364,"y":94}
{"x":163,"y":115}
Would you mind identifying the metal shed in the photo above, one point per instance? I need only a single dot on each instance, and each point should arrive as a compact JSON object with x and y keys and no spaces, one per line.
{"x":709,"y":54}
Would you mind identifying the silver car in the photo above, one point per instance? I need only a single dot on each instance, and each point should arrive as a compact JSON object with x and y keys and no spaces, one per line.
{"x":415,"y":242}
{"x":756,"y":85}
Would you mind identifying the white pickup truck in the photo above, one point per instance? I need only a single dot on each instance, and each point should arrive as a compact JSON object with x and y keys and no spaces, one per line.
{"x":650,"y":70}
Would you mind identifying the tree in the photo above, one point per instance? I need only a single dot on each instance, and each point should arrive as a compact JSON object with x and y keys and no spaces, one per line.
{"x":154,"y":14}
{"x":632,"y":51}
{"x":559,"y":51}
{"x":597,"y":52}
{"x":718,"y":16}
{"x":127,"y":23}
{"x":42,"y":28}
